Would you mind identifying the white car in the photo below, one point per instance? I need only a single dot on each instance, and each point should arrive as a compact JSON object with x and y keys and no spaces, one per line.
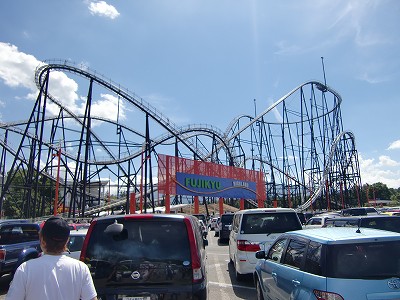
{"x":319,"y":220}
{"x":76,"y":238}
{"x":214,"y":223}
{"x":255,"y":229}
{"x":217,"y":227}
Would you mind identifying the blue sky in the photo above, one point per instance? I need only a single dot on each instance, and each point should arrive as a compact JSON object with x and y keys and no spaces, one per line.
{"x":206,"y":61}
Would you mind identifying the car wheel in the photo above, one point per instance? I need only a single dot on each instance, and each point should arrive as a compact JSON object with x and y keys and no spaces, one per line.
{"x":259,"y":291}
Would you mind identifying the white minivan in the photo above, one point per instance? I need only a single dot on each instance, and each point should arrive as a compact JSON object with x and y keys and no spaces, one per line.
{"x":255,"y":229}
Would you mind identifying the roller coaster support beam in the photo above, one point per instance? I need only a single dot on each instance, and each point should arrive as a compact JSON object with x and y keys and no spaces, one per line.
{"x":57,"y":182}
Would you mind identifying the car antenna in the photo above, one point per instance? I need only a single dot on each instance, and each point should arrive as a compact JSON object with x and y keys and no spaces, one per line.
{"x":358,"y":229}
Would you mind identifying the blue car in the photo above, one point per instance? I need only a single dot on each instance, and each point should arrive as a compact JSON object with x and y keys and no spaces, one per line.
{"x":330,"y":263}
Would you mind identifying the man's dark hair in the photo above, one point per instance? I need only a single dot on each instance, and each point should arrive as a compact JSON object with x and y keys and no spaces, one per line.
{"x":55,"y":232}
{"x":53,"y":246}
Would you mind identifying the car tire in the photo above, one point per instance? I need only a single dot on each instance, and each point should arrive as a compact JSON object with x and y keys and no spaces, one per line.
{"x":259,"y":291}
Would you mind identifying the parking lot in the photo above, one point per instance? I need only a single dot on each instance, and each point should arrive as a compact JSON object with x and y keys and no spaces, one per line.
{"x":221,"y":277}
{"x":221,"y":274}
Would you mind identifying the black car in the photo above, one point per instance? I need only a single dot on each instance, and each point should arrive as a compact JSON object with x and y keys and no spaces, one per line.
{"x":224,"y":222}
{"x":358,"y":211}
{"x":147,"y":256}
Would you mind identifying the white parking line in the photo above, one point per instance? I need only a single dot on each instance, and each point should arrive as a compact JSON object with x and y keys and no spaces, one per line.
{"x":227,"y":285}
{"x":221,"y":254}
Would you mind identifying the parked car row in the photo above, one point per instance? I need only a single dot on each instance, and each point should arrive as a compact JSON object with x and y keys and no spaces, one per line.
{"x":137,"y":256}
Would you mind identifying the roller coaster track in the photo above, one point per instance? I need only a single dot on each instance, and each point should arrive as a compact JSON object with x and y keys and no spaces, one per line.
{"x":165,"y":122}
{"x":327,"y":170}
{"x":298,"y":142}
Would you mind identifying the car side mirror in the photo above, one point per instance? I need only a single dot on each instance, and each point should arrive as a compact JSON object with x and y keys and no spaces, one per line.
{"x":114,"y":228}
{"x":260,"y":254}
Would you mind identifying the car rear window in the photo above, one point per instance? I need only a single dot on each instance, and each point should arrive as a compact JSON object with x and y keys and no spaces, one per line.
{"x":227,"y":219}
{"x":140,"y":240}
{"x":18,"y":233}
{"x":354,"y":212}
{"x":271,"y":222}
{"x":378,"y":260}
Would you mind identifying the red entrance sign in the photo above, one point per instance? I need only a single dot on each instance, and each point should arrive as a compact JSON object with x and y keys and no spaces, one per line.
{"x":168,"y":166}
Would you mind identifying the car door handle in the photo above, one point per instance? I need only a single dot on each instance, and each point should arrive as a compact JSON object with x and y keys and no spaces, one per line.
{"x":296,"y":282}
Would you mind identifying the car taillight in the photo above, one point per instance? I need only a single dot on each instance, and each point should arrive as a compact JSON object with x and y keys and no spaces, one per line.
{"x":2,"y":254}
{"x":248,"y":246}
{"x":196,"y":264}
{"x":323,"y":295}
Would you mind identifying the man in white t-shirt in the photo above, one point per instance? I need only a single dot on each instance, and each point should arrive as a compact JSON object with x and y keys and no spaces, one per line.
{"x":53,"y":276}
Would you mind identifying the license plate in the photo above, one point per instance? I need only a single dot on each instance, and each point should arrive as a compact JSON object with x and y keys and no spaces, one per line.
{"x":135,"y":298}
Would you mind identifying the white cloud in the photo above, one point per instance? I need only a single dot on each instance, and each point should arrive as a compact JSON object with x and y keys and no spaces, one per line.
{"x":101,"y":8}
{"x":394,"y":145}
{"x":64,"y":90}
{"x":17,"y":68}
{"x":386,"y":161}
{"x":385,"y":170}
{"x":107,"y":107}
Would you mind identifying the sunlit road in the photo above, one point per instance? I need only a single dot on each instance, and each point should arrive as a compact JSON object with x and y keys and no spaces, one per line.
{"x":221,"y":276}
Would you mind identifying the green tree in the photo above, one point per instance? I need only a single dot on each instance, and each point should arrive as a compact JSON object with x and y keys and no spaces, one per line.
{"x":16,"y":204}
{"x":13,"y":205}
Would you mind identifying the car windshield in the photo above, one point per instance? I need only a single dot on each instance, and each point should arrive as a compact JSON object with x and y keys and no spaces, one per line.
{"x":378,"y":260}
{"x":140,"y":240}
{"x":271,"y":222}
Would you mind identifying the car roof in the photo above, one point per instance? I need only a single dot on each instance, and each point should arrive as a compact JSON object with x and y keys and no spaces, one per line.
{"x":81,"y":231}
{"x":324,"y":217}
{"x":261,"y":210}
{"x":12,"y":221}
{"x":333,"y":235}
{"x":145,"y":216}
{"x":364,"y":217}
